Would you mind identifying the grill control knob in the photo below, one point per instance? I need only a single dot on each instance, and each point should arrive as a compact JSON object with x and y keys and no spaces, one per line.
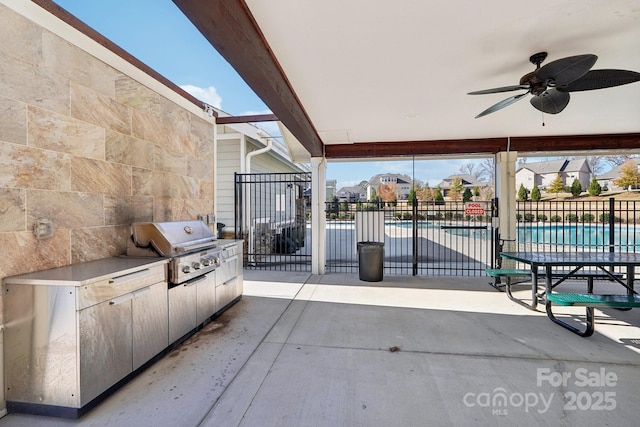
{"x":186,"y":269}
{"x":196,"y":266}
{"x":206,"y":262}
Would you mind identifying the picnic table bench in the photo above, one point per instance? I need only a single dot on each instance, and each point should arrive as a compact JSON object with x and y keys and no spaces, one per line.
{"x":600,"y":260}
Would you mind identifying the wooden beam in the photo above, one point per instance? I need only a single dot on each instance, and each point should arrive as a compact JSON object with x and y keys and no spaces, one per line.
{"x":247,"y":119}
{"x":546,"y":144}
{"x":231,"y":29}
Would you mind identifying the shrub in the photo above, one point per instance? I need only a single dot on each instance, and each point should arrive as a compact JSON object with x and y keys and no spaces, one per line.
{"x":518,"y":217}
{"x":571,"y":217}
{"x":448,"y":215}
{"x":587,"y":217}
{"x":528,"y":217}
{"x":556,"y":218}
{"x":332,"y":216}
{"x":407,"y":215}
{"x":458,"y":216}
{"x":542,"y":217}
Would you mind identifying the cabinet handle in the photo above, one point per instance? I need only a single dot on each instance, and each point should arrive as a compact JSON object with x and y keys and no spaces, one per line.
{"x":196,"y":280}
{"x":121,"y":299}
{"x":141,"y":292}
{"x":124,"y":278}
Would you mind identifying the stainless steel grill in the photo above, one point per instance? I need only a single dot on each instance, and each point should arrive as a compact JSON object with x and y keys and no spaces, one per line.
{"x":191,"y":245}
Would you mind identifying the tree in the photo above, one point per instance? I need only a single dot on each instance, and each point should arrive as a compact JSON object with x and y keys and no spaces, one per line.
{"x":487,"y":168}
{"x":412,"y":195}
{"x":374,"y":194}
{"x":425,"y":194}
{"x":523,"y":193}
{"x":594,"y":187}
{"x":556,"y":186}
{"x":456,"y":189}
{"x":629,"y":175}
{"x":387,"y":192}
{"x":476,"y":191}
{"x":466,"y":196}
{"x":576,"y":187}
{"x":471,"y":169}
{"x":618,"y":160}
{"x":535,"y":194}
{"x":438,"y":198}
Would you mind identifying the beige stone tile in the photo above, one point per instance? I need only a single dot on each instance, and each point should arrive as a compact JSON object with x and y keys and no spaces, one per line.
{"x":201,"y":167}
{"x":77,"y":65}
{"x":13,"y":121}
{"x":206,"y":189}
{"x":175,"y":209}
{"x":169,"y":161}
{"x":127,"y":210}
{"x":27,"y":167}
{"x":176,"y":186}
{"x":141,"y":182}
{"x":65,"y":209}
{"x":95,"y":176}
{"x":33,"y":85}
{"x":53,"y":131}
{"x":88,"y":244}
{"x":137,"y":96}
{"x":20,"y":37}
{"x":149,"y":128}
{"x":29,"y":254}
{"x":101,"y":110}
{"x":120,"y":148}
{"x":12,"y":209}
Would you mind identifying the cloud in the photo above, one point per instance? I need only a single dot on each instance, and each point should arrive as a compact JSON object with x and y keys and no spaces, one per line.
{"x":209,"y":95}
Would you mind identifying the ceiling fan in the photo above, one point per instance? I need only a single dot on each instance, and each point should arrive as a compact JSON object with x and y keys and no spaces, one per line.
{"x":550,"y":84}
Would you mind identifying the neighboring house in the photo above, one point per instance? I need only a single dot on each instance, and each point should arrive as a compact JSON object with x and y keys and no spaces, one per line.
{"x":468,"y":181}
{"x":330,"y":188}
{"x":607,"y":180}
{"x":543,"y":173}
{"x":352,"y":194}
{"x":234,"y":144}
{"x":402,"y":182}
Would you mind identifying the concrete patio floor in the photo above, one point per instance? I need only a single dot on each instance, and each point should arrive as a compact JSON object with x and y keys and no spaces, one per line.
{"x":303,"y":350}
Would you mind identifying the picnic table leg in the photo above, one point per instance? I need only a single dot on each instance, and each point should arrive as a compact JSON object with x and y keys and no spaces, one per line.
{"x":534,"y":290}
{"x":589,"y":328}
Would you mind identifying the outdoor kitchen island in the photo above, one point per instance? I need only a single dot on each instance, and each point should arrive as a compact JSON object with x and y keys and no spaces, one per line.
{"x":73,"y":334}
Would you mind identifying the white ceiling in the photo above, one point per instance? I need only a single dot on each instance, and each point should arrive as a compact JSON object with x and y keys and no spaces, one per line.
{"x":369,"y":71}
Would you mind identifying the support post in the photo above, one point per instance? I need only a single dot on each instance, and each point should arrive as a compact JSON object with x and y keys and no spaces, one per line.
{"x":505,"y":180}
{"x":318,"y":219}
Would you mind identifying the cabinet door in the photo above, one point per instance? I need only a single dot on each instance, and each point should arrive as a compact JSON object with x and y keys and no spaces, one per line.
{"x":150,"y":322}
{"x":206,"y":305}
{"x":182,"y":310}
{"x":105,"y":341}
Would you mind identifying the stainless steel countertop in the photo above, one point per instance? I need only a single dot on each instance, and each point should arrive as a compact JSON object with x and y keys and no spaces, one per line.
{"x":86,"y":272}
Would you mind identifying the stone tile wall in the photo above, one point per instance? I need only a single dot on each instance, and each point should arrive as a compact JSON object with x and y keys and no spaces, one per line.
{"x":90,"y":149}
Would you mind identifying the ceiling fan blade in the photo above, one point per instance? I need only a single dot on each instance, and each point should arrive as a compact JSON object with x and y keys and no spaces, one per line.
{"x":600,"y":79}
{"x":564,"y":71}
{"x":499,"y":89}
{"x":551,"y":101}
{"x":500,"y":105}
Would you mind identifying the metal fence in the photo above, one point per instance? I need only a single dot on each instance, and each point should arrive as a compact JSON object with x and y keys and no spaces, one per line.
{"x":606,"y":225}
{"x":271,"y":214}
{"x":444,"y":238}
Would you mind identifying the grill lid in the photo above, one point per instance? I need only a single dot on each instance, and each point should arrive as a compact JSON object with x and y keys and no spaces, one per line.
{"x":172,"y":238}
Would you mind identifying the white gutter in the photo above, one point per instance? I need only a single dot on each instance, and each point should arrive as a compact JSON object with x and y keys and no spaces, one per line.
{"x":254,"y":153}
{"x":247,"y":169}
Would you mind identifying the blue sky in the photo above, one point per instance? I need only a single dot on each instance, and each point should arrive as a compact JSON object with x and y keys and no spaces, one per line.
{"x":157,"y":33}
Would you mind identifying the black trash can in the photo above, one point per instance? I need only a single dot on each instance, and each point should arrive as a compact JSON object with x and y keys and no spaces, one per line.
{"x":371,"y":261}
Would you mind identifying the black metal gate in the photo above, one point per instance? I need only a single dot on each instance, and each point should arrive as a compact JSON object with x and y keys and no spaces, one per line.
{"x":452,"y":238}
{"x":271,"y":215}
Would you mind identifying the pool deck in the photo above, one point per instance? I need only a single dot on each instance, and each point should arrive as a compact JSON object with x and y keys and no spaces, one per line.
{"x":331,"y":350}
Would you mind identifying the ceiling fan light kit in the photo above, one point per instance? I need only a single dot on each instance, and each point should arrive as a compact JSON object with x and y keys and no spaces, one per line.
{"x":550,"y":84}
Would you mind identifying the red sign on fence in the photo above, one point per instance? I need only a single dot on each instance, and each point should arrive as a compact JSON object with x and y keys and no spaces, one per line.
{"x":473,"y":208}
